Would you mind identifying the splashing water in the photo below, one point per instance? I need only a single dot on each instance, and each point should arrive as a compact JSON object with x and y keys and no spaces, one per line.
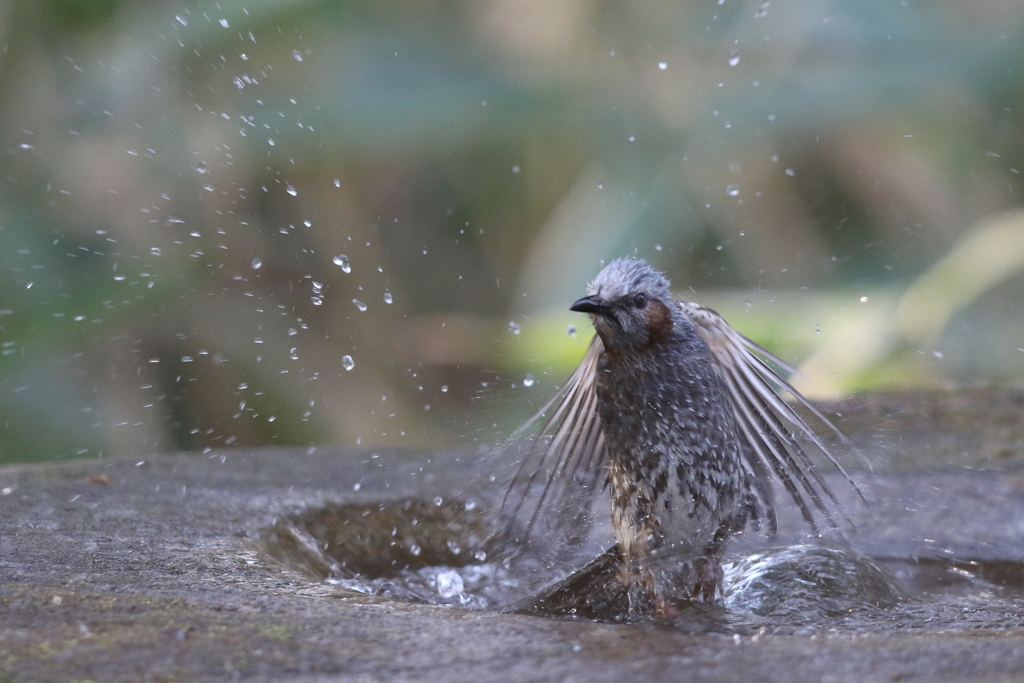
{"x":342,"y":261}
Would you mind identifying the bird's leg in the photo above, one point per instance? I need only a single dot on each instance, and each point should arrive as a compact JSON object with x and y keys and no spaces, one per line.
{"x":639,"y":582}
{"x":709,"y":577}
{"x":708,"y":569}
{"x":633,"y":531}
{"x":636,"y":573}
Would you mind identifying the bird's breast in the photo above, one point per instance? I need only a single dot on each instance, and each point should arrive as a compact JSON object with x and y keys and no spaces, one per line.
{"x":671,"y":405}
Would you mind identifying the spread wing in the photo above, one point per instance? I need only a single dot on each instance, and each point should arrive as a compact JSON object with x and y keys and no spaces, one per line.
{"x":762,"y":416}
{"x":562,"y":463}
{"x":562,"y":467}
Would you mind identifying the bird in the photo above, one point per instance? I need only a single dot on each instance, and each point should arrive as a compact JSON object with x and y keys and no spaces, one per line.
{"x":681,"y":420}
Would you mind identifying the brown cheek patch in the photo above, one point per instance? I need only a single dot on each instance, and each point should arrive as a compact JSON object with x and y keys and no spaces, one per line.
{"x":659,"y":321}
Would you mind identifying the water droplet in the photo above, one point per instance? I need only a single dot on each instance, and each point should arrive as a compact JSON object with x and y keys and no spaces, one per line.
{"x":224,"y":23}
{"x":317,"y":301}
{"x":734,"y":58}
{"x":513,"y":327}
{"x":297,"y":55}
{"x":444,"y":388}
{"x":342,"y":260}
{"x":528,"y":380}
{"x":256,"y":263}
{"x":415,"y":550}
{"x":438,"y":501}
{"x":515,"y":169}
{"x":387,"y":297}
{"x":347,"y":362}
{"x":790,"y":172}
{"x":453,"y":546}
{"x":657,"y":247}
{"x":480,"y":555}
{"x":732,"y":190}
{"x":182,"y":20}
{"x":291,"y":190}
{"x":155,"y":251}
{"x":337,"y":183}
{"x":270,"y":141}
{"x":662,"y":65}
{"x":863,"y":299}
{"x":359,"y":304}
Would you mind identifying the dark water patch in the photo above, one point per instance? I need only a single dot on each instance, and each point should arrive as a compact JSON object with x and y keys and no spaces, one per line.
{"x":433,"y":551}
{"x":921,"y":575}
{"x":381,"y":539}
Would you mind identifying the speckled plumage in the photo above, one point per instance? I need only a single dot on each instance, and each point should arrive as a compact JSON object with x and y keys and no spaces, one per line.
{"x":674,"y":410}
{"x":678,"y":485}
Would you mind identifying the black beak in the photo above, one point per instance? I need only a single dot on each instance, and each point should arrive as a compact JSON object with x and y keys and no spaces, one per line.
{"x":589,"y":304}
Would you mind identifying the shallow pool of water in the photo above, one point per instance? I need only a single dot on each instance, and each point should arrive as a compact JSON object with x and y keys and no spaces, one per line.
{"x":439,"y":552}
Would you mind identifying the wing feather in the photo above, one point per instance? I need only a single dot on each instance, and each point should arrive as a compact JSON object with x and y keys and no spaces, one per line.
{"x":762,"y":415}
{"x":564,"y":459}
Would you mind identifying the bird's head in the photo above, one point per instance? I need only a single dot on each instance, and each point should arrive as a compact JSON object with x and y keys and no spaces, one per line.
{"x":630,"y":304}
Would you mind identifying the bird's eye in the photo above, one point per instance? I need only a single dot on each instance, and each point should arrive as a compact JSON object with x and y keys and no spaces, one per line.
{"x":640,"y":300}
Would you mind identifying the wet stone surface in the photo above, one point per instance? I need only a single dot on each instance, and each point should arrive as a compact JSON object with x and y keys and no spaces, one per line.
{"x":213,"y":567}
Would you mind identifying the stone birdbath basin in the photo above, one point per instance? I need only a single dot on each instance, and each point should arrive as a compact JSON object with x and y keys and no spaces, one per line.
{"x":213,"y":566}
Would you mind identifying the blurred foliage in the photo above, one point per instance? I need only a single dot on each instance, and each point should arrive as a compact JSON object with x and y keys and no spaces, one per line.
{"x":182,"y":178}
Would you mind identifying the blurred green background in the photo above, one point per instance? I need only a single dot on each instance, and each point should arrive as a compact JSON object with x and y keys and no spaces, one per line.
{"x":205,"y":207}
